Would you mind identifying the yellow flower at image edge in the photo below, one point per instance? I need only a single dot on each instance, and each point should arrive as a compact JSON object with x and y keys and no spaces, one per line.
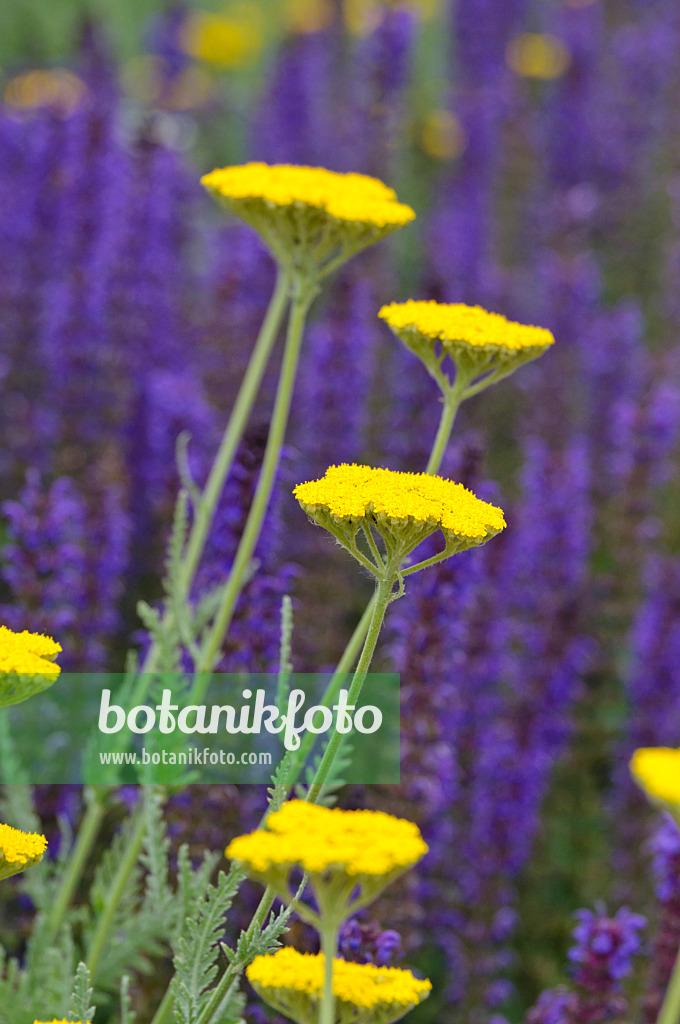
{"x":289,"y":980}
{"x":456,"y":325}
{"x":26,"y":665}
{"x":357,"y":843}
{"x":355,"y":492}
{"x":19,"y":850}
{"x":55,"y":1021}
{"x":657,"y":772}
{"x":350,"y":198}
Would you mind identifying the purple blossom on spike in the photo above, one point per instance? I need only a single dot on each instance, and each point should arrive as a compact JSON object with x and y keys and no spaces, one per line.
{"x":665,"y":846}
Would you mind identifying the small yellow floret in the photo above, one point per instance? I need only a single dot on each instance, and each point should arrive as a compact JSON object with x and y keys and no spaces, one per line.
{"x":455,"y":324}
{"x":19,"y":850}
{"x":657,"y":771}
{"x":350,"y":198}
{"x":369,"y":843}
{"x":362,"y":985}
{"x":352,"y":492}
{"x":28,"y":654}
{"x":55,"y":1021}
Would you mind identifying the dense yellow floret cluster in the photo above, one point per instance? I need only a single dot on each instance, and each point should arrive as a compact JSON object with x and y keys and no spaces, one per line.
{"x":352,"y":198}
{"x":28,"y":653}
{"x":456,"y":324}
{"x":657,"y":771}
{"x":20,"y":849}
{"x":55,"y":1021}
{"x":362,"y":842}
{"x":352,"y":492}
{"x":363,"y":985}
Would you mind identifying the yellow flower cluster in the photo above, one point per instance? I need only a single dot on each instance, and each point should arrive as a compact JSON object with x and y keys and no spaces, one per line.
{"x":353,"y":492}
{"x":55,"y":1021}
{"x":657,"y":771}
{"x":454,"y":324}
{"x":362,"y":985}
{"x":28,"y":654}
{"x":19,"y":850}
{"x":369,"y":843}
{"x":350,"y":198}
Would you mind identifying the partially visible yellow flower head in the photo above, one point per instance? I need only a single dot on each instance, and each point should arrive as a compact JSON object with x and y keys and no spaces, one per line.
{"x":19,"y":850}
{"x":56,"y":89}
{"x":26,"y":665}
{"x":55,"y":1021}
{"x":355,"y":492}
{"x":354,"y":198}
{"x":657,"y":771}
{"x":28,"y":653}
{"x":309,"y":216}
{"x":320,"y":838}
{"x":225,"y":41}
{"x":537,"y":55}
{"x":289,"y":980}
{"x":456,"y":325}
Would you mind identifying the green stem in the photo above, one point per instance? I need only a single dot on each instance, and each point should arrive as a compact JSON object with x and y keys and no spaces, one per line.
{"x":382,"y":599}
{"x":303,"y":294}
{"x":233,"y":433}
{"x":449,"y":410}
{"x":222,"y":987}
{"x":164,"y":1011}
{"x":250,"y":385}
{"x":120,"y":882}
{"x":87,"y":835}
{"x":329,"y":948}
{"x":670,"y":1011}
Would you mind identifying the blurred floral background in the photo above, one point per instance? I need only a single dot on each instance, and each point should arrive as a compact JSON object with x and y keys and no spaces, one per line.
{"x":539,"y":143}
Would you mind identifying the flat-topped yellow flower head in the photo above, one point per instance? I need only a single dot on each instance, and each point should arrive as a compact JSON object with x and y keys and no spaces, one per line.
{"x":26,"y":665}
{"x":293,"y":984}
{"x":405,"y":508}
{"x":343,"y":849}
{"x":55,"y":1021}
{"x":657,"y":771}
{"x":19,"y":850}
{"x":309,"y":216}
{"x":478,"y":342}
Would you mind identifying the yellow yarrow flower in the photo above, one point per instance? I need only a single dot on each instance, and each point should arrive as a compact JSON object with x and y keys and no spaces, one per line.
{"x":309,"y":216}
{"x":339,"y":849}
{"x":26,"y":665}
{"x":404,"y":508}
{"x":55,"y":1021}
{"x":478,"y":342}
{"x":293,"y":983}
{"x":354,"y":842}
{"x":657,"y":771}
{"x":355,"y":492}
{"x":19,"y":850}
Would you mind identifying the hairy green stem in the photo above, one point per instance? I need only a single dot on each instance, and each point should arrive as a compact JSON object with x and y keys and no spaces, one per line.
{"x":382,"y":599}
{"x":303,"y":294}
{"x":233,"y":970}
{"x":87,"y":835}
{"x":120,"y":882}
{"x":329,"y":948}
{"x":451,"y":406}
{"x":670,"y":1010}
{"x":165,"y":1009}
{"x":250,"y":385}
